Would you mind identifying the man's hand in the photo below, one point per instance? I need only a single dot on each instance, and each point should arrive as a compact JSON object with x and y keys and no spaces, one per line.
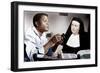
{"x":58,"y":53}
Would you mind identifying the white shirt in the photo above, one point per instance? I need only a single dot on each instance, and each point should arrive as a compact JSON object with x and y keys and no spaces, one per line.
{"x":73,"y":41}
{"x":34,"y":41}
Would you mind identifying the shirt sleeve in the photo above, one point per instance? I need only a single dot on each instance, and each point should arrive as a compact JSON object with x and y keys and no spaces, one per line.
{"x":30,"y":50}
{"x":34,"y":45}
{"x":30,"y":45}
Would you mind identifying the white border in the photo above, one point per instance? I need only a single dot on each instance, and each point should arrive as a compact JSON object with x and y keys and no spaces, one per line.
{"x":22,"y":64}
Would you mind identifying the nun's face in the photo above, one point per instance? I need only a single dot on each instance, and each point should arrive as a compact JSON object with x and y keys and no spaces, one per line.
{"x":75,"y":26}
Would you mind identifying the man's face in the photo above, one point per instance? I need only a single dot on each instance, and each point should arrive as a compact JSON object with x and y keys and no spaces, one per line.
{"x":75,"y":26}
{"x":43,"y":24}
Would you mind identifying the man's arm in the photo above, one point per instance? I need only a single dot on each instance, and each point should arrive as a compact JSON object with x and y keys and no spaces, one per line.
{"x":48,"y":45}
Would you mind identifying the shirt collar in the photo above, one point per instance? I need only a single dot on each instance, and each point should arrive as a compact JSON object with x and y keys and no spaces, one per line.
{"x":36,"y":31}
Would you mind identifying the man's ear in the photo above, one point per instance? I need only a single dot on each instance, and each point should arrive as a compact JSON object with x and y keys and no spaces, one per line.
{"x":36,"y":24}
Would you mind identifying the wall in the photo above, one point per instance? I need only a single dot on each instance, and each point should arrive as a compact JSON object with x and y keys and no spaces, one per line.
{"x":56,"y":20}
{"x":5,"y":27}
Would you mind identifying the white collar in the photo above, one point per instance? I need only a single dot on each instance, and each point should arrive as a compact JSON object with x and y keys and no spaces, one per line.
{"x":73,"y":41}
{"x":36,"y":31}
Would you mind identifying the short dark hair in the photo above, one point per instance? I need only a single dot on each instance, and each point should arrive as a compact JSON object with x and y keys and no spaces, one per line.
{"x":37,"y":17}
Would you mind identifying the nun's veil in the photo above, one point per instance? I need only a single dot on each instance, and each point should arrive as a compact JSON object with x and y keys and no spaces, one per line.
{"x":68,"y":32}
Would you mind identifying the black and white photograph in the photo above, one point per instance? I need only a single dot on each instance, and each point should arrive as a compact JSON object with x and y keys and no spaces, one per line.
{"x":56,"y":36}
{"x":52,"y":36}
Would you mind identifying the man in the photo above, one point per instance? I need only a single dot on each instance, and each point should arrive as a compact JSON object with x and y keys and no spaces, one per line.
{"x":35,"y":39}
